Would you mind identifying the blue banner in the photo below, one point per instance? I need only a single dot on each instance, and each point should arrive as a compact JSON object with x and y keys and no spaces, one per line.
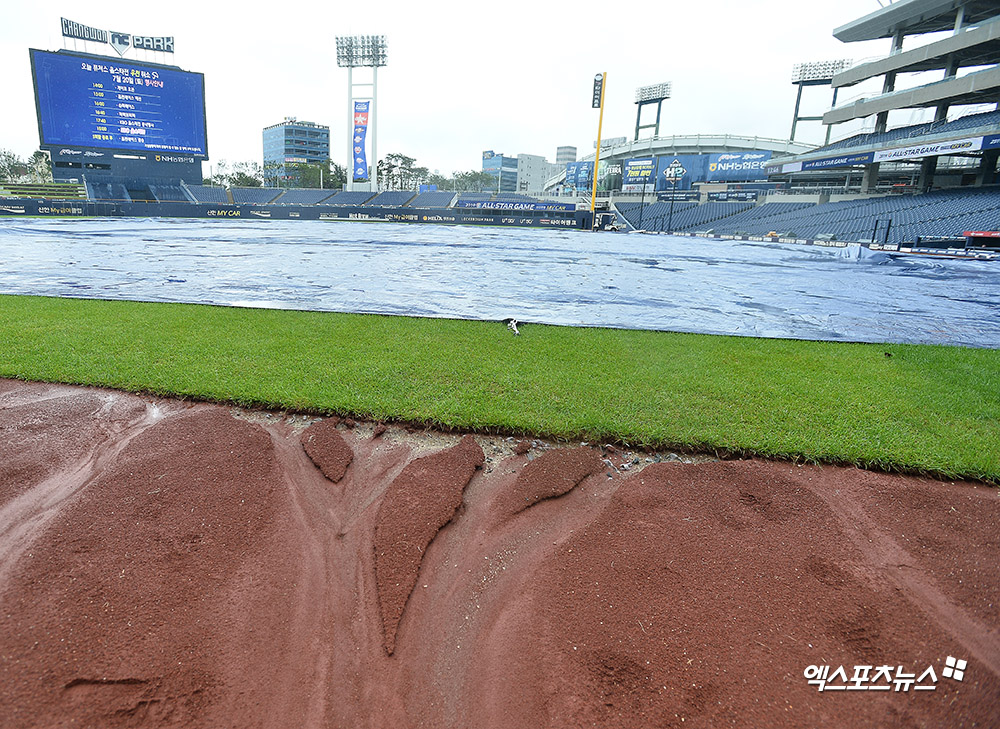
{"x":579,"y":175}
{"x":737,"y":166}
{"x":846,"y":160}
{"x":360,"y":160}
{"x":638,"y":175}
{"x":678,"y":172}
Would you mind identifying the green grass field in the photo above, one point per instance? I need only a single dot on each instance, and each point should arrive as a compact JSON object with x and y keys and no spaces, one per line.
{"x":924,"y":409}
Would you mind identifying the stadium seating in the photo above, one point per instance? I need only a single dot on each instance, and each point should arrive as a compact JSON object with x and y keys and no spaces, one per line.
{"x":304,"y":197}
{"x":390,"y":199}
{"x":45,"y":191}
{"x":894,"y":219}
{"x":514,"y":197}
{"x":467,"y":197}
{"x":173,"y":193}
{"x":254,"y":195}
{"x":111,"y":191}
{"x":348,"y":197}
{"x":435,"y":199}
{"x":207,"y":194}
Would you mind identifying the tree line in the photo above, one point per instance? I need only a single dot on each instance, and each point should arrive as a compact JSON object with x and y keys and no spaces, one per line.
{"x":37,"y":169}
{"x":395,"y":172}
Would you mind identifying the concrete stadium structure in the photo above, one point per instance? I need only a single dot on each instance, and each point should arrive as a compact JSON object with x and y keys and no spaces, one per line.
{"x":960,"y":136}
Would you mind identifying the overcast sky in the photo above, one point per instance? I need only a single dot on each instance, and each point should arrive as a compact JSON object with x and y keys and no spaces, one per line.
{"x":463,"y":77}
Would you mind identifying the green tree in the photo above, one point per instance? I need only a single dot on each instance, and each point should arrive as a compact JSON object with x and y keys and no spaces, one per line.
{"x":40,"y":167}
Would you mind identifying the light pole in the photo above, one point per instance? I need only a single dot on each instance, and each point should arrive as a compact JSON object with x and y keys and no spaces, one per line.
{"x":352,"y":52}
{"x":655,"y":94}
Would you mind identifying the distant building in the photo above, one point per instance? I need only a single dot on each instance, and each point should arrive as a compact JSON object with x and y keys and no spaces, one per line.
{"x":534,"y":171}
{"x":503,"y":168}
{"x":292,"y":142}
{"x":565,"y":154}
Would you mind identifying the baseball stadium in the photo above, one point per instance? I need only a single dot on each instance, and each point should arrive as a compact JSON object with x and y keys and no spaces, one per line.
{"x":702,"y":430}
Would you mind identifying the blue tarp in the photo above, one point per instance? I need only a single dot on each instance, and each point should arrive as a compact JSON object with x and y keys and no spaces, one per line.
{"x":554,"y":277}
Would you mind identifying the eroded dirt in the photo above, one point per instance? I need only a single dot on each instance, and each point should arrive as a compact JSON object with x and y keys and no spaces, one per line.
{"x":167,"y":564}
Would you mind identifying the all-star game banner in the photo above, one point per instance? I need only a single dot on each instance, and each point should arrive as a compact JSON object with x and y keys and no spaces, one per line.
{"x":360,"y":134}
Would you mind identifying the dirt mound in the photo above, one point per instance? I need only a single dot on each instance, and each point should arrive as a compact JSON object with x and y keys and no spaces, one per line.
{"x":174,"y":565}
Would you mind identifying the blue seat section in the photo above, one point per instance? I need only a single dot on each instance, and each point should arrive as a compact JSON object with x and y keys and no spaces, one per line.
{"x":435,"y":199}
{"x":655,"y":216}
{"x":207,"y":194}
{"x":514,"y":197}
{"x":349,"y":197}
{"x":939,"y":213}
{"x":254,"y":195}
{"x":475,"y":197}
{"x":107,"y":191}
{"x":390,"y":199}
{"x":174,"y":193}
{"x":304,"y":197}
{"x":915,"y":131}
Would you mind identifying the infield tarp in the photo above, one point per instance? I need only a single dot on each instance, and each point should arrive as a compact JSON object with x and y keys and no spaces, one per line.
{"x":554,"y":277}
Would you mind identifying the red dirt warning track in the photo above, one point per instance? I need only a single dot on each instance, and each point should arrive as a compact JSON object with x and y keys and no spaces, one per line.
{"x":167,"y":564}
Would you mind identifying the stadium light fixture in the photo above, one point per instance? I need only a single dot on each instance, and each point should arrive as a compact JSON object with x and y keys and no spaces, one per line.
{"x":819,"y":71}
{"x":656,"y":92}
{"x":361,"y":50}
{"x":815,"y":73}
{"x":355,"y":51}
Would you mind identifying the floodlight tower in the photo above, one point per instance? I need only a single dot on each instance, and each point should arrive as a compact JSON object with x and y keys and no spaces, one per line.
{"x":352,"y":52}
{"x":818,"y":73}
{"x":655,"y":94}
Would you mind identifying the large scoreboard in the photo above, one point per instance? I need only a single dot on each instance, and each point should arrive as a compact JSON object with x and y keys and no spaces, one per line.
{"x":106,"y":103}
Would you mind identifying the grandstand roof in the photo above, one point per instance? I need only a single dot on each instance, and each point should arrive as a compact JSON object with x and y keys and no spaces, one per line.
{"x":699,"y":144}
{"x":974,"y":47}
{"x":914,"y":17}
{"x":975,"y":88}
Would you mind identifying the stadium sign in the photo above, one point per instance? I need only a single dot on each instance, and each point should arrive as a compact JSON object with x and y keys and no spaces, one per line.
{"x":957,"y":146}
{"x":121,"y":42}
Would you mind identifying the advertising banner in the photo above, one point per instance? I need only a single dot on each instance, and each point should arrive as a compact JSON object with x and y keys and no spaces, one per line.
{"x":579,"y":175}
{"x":738,"y":166}
{"x":679,"y":172}
{"x":609,"y":176}
{"x":638,"y":175}
{"x":956,"y":146}
{"x":734,"y":196}
{"x":360,"y":162}
{"x":843,"y":161}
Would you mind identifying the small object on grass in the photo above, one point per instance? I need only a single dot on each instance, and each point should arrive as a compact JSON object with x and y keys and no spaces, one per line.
{"x":512,"y":325}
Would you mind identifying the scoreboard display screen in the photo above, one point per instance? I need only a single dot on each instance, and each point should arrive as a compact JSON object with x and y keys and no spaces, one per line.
{"x":91,"y":101}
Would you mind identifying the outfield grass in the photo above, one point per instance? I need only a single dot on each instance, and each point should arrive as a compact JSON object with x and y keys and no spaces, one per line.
{"x":924,"y":409}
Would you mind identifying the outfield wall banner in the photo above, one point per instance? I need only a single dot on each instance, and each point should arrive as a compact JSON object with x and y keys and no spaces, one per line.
{"x":638,"y":175}
{"x":738,"y":166}
{"x":956,"y":146}
{"x":360,"y":135}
